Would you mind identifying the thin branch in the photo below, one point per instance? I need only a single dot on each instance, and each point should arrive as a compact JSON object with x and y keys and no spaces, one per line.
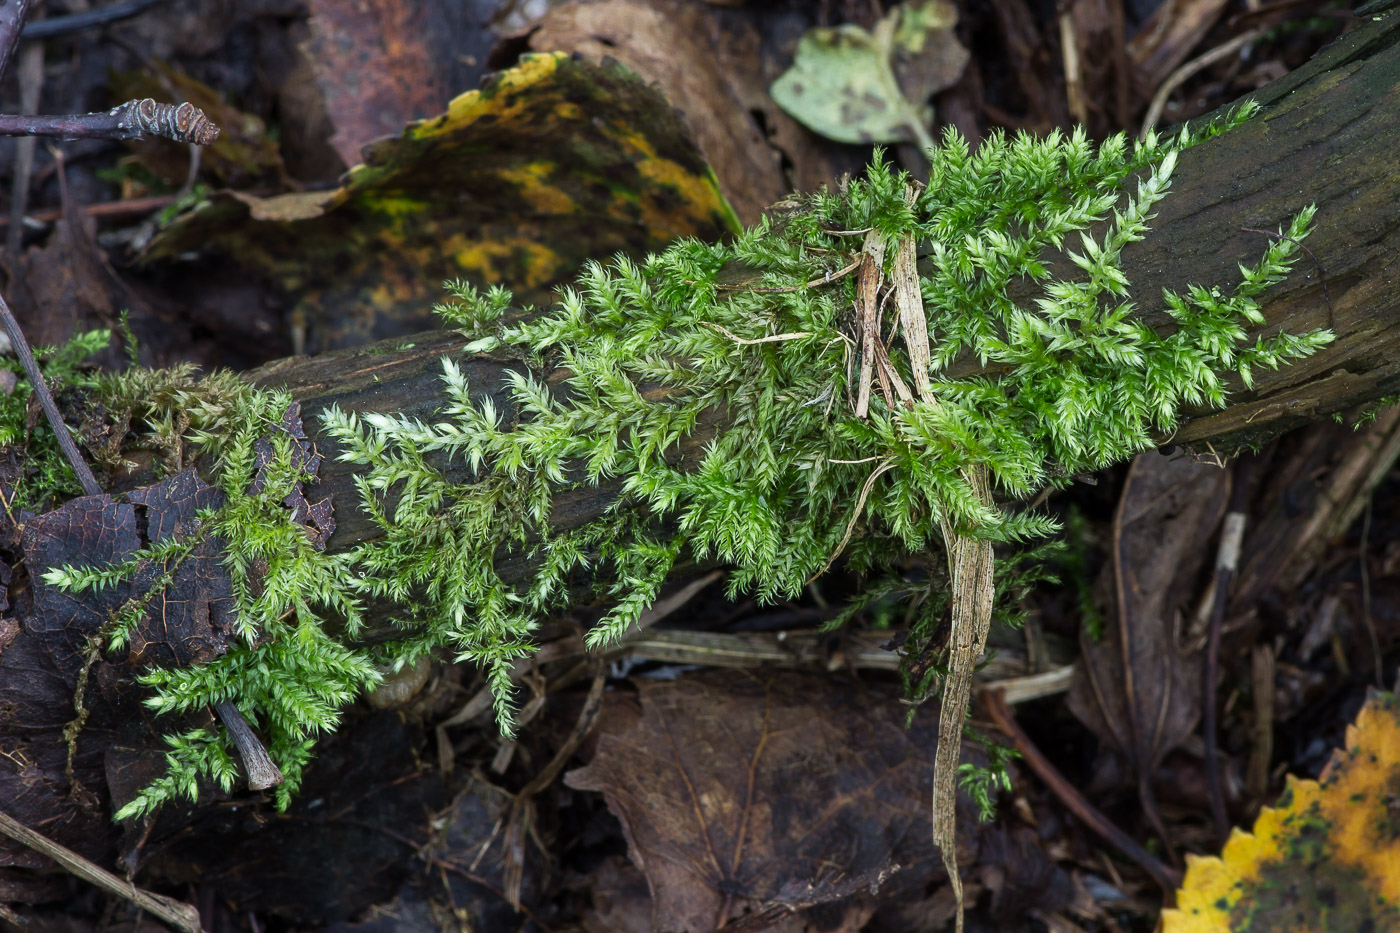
{"x":1073,"y":800}
{"x":12,"y":17}
{"x":179,"y":915}
{"x":77,"y":22}
{"x":184,"y":123}
{"x":123,"y":208}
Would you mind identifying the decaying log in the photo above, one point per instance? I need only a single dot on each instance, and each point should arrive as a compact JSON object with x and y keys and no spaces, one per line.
{"x":1326,"y":137}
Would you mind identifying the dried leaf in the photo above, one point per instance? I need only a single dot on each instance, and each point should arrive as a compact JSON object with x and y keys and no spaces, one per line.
{"x":1136,"y":689}
{"x":187,"y":614}
{"x":845,"y":83}
{"x":90,"y":531}
{"x":67,"y":286}
{"x":738,"y":789}
{"x":1327,"y":858}
{"x":318,"y":518}
{"x":551,"y":163}
{"x":190,"y":620}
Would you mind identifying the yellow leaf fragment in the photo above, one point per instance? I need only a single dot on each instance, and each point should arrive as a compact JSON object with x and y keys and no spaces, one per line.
{"x":1327,"y":858}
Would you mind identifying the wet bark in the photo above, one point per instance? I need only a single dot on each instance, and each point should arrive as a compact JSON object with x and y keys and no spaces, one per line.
{"x":1326,"y":137}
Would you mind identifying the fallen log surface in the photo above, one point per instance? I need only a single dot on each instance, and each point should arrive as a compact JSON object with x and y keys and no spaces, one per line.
{"x":1326,"y":137}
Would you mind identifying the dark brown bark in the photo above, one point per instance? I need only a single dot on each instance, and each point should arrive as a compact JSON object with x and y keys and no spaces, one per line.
{"x":1327,"y":136}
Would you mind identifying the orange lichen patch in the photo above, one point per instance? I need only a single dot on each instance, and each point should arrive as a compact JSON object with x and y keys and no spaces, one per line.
{"x":1327,"y":858}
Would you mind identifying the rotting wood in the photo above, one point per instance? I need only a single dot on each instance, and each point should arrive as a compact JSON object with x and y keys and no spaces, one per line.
{"x":1326,"y":137}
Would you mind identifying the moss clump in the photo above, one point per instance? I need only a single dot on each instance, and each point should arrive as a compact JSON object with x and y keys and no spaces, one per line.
{"x":1081,"y":383}
{"x":287,"y":675}
{"x":46,"y":476}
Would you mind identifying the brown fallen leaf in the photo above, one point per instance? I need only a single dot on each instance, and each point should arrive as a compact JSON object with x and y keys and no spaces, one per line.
{"x":740,"y":789}
{"x":67,"y":286}
{"x":1136,"y":689}
{"x":57,"y":676}
{"x":621,"y":902}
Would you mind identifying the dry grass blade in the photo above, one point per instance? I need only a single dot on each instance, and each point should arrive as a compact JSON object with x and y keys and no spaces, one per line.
{"x":751,"y":341}
{"x":869,"y":280}
{"x":970,"y":575}
{"x":910,"y":304}
{"x":884,"y":467}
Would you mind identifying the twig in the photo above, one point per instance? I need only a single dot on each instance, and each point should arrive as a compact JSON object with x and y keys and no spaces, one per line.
{"x":41,"y":389}
{"x":179,"y":915}
{"x":31,"y":80}
{"x":104,"y":209}
{"x":77,"y":22}
{"x":184,"y":123}
{"x":1226,"y":561}
{"x":1176,"y":78}
{"x":12,"y":17}
{"x":1073,"y":800}
{"x":262,"y":770}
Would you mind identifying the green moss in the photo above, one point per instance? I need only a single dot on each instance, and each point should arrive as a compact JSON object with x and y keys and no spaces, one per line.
{"x":286,"y":674}
{"x":46,"y":477}
{"x":1081,"y":383}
